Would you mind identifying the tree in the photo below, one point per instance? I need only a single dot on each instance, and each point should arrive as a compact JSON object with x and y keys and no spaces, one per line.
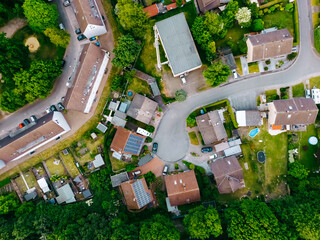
{"x":292,"y":56}
{"x":297,"y":170}
{"x":257,"y":25}
{"x":228,"y":15}
{"x":8,"y":203}
{"x":243,"y":17}
{"x":191,"y":122}
{"x":40,"y":14}
{"x":118,"y":82}
{"x":125,"y":232}
{"x":126,"y":51}
{"x":252,"y":220}
{"x":214,"y":23}
{"x":132,"y":17}
{"x":158,"y":228}
{"x":150,"y":128}
{"x":317,"y":38}
{"x":58,"y":37}
{"x":180,"y":95}
{"x":243,"y":45}
{"x":201,"y":223}
{"x":217,"y":73}
{"x":130,"y":167}
{"x":149,"y":177}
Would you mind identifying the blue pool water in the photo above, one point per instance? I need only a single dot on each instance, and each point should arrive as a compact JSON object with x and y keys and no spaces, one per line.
{"x":130,"y":93}
{"x":254,"y":132}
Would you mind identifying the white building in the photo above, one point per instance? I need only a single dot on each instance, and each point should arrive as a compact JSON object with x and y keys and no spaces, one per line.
{"x":315,"y":94}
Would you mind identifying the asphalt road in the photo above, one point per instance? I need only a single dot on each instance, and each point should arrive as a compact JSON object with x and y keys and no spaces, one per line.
{"x":172,"y":136}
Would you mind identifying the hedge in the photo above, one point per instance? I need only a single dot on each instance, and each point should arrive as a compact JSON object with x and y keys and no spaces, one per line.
{"x":296,"y":24}
{"x":269,"y":4}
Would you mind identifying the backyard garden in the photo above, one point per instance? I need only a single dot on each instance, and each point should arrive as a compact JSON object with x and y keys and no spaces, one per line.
{"x":30,"y":180}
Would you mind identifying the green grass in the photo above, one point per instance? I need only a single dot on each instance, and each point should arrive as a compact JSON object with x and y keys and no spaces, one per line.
{"x":30,"y":179}
{"x":315,"y":19}
{"x":238,"y":62}
{"x":271,"y":92}
{"x":92,"y":146}
{"x":70,"y":165}
{"x":270,"y":3}
{"x":55,"y":169}
{"x":298,"y":90}
{"x":314,"y":82}
{"x":116,"y":164}
{"x":306,"y":157}
{"x":193,"y":138}
{"x":39,"y":167}
{"x":253,"y":68}
{"x":314,"y":2}
{"x":139,"y":86}
{"x":280,"y":20}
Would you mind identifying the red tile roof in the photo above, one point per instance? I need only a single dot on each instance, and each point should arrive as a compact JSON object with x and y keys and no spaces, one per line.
{"x":151,"y":10}
{"x":171,"y":6}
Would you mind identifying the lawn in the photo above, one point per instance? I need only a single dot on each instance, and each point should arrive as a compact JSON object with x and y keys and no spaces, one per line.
{"x":314,"y":82}
{"x":55,"y":169}
{"x":139,"y":86}
{"x":92,"y":146}
{"x":193,"y":138}
{"x":280,"y":20}
{"x":315,"y":19}
{"x":30,"y":179}
{"x":116,"y":164}
{"x":70,"y":165}
{"x":314,"y":2}
{"x":253,"y":68}
{"x":39,"y":167}
{"x":238,"y":62}
{"x":307,"y":151}
{"x":298,"y":90}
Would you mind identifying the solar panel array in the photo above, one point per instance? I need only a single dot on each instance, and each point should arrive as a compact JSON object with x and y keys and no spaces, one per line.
{"x":143,"y":198}
{"x":134,"y":144}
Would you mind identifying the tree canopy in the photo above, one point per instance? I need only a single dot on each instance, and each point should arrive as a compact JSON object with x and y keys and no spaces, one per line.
{"x":217,"y":73}
{"x":8,"y":203}
{"x":243,"y":17}
{"x":180,"y":95}
{"x":257,"y":25}
{"x":58,"y":37}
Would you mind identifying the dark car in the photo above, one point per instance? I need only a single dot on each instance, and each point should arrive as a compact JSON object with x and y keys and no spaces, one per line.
{"x":93,"y":38}
{"x":78,"y":31}
{"x":26,"y":122}
{"x":53,"y":108}
{"x":155,"y":147}
{"x":60,"y":106}
{"x":206,"y":149}
{"x":63,"y":62}
{"x":81,"y":37}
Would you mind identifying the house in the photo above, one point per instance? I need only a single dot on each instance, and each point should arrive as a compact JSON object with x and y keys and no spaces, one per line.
{"x":142,"y":108}
{"x":171,"y":6}
{"x":31,"y":195}
{"x":102,"y":128}
{"x":315,"y":94}
{"x":269,"y":45}
{"x":127,"y":142}
{"x":178,"y":45}
{"x":249,"y":118}
{"x":90,"y":16}
{"x":149,"y":163}
{"x":182,"y":188}
{"x":83,"y":91}
{"x":152,"y":10}
{"x":211,"y":127}
{"x":65,"y":194}
{"x":117,"y":179}
{"x":136,"y":193}
{"x":43,"y":185}
{"x":26,"y":140}
{"x":207,"y":5}
{"x":98,"y":161}
{"x":291,"y":112}
{"x":230,"y":147}
{"x":119,"y":119}
{"x":228,"y":174}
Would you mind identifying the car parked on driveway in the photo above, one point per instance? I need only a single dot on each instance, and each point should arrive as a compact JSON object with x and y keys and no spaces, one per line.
{"x":33,"y":118}
{"x":48,"y":110}
{"x":213,"y":156}
{"x":155,"y":147}
{"x":26,"y":122}
{"x":93,"y":38}
{"x":78,"y":31}
{"x":60,"y":106}
{"x":165,"y":170}
{"x":81,"y":37}
{"x":206,"y":149}
{"x":66,"y":3}
{"x":53,"y":108}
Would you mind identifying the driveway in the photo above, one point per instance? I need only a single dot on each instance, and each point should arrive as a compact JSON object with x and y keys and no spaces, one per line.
{"x":172,"y":136}
{"x":244,"y":66}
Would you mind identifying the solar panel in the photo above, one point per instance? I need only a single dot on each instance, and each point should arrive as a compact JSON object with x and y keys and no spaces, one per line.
{"x":143,"y":198}
{"x":134,"y":144}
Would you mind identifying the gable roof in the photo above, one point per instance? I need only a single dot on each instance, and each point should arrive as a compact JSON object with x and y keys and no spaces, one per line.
{"x":182,"y":188}
{"x":136,"y":193}
{"x":269,"y":45}
{"x":295,"y":111}
{"x":211,"y":127}
{"x":65,"y":194}
{"x":155,"y":165}
{"x":228,"y":174}
{"x":117,"y":179}
{"x":249,"y":118}
{"x":206,"y":5}
{"x":151,"y":10}
{"x":142,"y":108}
{"x":30,"y":196}
{"x":178,"y":44}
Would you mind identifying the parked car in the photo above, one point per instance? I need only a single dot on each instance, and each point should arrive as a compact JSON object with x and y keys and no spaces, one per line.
{"x":213,"y":156}
{"x":235,"y":74}
{"x":165,"y":170}
{"x":63,"y":62}
{"x":60,"y":106}
{"x":78,"y":31}
{"x":155,"y":147}
{"x":53,"y":108}
{"x":308,"y":93}
{"x":48,"y":110}
{"x":61,"y":26}
{"x":206,"y":149}
{"x":137,"y":173}
{"x":183,"y":79}
{"x":66,"y":3}
{"x":21,"y":125}
{"x":33,"y":118}
{"x":81,"y":37}
{"x":26,"y":122}
{"x":93,"y":38}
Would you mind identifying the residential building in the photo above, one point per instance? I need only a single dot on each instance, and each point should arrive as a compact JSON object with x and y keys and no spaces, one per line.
{"x":98,"y":161}
{"x":315,"y":94}
{"x":142,"y":108}
{"x":230,"y":147}
{"x":149,"y":163}
{"x":152,"y":10}
{"x":228,"y":174}
{"x":127,"y":142}
{"x":178,"y":45}
{"x":207,"y":5}
{"x":28,"y":139}
{"x":102,"y":128}
{"x":249,"y":118}
{"x":269,"y":45}
{"x":65,"y":194}
{"x":136,"y":193}
{"x":182,"y":188}
{"x":43,"y":185}
{"x":211,"y":127}
{"x":91,"y":67}
{"x":91,"y":17}
{"x":119,"y":119}
{"x":30,"y":195}
{"x":289,"y":113}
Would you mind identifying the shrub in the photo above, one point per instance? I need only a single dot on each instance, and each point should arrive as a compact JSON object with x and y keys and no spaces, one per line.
{"x":191,"y":122}
{"x":266,"y":68}
{"x":150,"y":128}
{"x":130,"y":167}
{"x":292,"y":56}
{"x":192,"y":166}
{"x":176,"y":166}
{"x":268,"y":61}
{"x":145,"y":147}
{"x":180,"y":95}
{"x":148,"y":140}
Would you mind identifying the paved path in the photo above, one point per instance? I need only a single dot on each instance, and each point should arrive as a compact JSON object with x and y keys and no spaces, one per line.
{"x":13,"y":25}
{"x":172,"y":135}
{"x":244,"y":66}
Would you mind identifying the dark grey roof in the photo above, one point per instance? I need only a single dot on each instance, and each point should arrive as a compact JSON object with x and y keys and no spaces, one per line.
{"x":155,"y":89}
{"x":253,"y":118}
{"x":228,"y":59}
{"x":143,"y":197}
{"x":119,"y":119}
{"x":86,"y":193}
{"x":178,"y":44}
{"x":116,"y":180}
{"x":134,"y":144}
{"x":30,"y":196}
{"x":147,"y":158}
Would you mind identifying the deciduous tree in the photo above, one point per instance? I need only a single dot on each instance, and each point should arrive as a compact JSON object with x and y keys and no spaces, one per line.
{"x":180,"y":95}
{"x":243,"y":16}
{"x":257,"y":25}
{"x":8,"y":203}
{"x":58,"y":37}
{"x":217,"y":73}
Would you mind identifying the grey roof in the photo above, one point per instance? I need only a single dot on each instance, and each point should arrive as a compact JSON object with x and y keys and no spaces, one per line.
{"x":234,"y":142}
{"x":65,"y":194}
{"x":98,"y":162}
{"x":86,"y":193}
{"x":178,"y":44}
{"x":102,"y":127}
{"x":155,"y":89}
{"x":253,"y":118}
{"x":116,"y":180}
{"x":30,"y":196}
{"x":77,"y":179}
{"x":142,"y":108}
{"x":143,"y":197}
{"x":134,"y":144}
{"x":124,"y":106}
{"x":147,"y":158}
{"x":119,"y":119}
{"x":235,"y":150}
{"x":228,"y":59}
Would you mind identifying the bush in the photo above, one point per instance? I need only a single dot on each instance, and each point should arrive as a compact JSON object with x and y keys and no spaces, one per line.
{"x":145,"y":147}
{"x":176,"y":166}
{"x":180,"y":95}
{"x":257,"y":25}
{"x":266,"y":68}
{"x":130,"y":167}
{"x":317,"y":38}
{"x":268,"y":61}
{"x":292,"y":56}
{"x":191,"y":121}
{"x":148,"y":140}
{"x":192,"y":166}
{"x":150,"y":128}
{"x":289,"y":7}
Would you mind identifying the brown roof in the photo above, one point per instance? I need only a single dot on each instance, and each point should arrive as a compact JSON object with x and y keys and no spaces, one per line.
{"x":171,"y":6}
{"x":136,"y":193}
{"x":155,"y":165}
{"x":206,"y":5}
{"x":211,"y":127}
{"x":32,"y":135}
{"x":270,"y":45}
{"x":182,"y":188}
{"x":87,"y":13}
{"x":142,"y":108}
{"x":228,"y":174}
{"x":90,"y":62}
{"x":295,"y":111}
{"x":151,"y":10}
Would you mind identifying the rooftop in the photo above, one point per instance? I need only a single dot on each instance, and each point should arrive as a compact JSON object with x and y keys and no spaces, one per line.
{"x":206,"y":5}
{"x":249,"y":118}
{"x":65,"y":194}
{"x":88,"y":12}
{"x":117,"y":179}
{"x":151,"y":10}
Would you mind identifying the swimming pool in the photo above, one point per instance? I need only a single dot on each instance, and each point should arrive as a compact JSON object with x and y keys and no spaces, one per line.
{"x":254,"y":132}
{"x":130,"y":93}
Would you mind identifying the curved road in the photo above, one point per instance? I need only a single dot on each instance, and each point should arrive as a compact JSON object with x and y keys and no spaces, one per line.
{"x":172,"y":136}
